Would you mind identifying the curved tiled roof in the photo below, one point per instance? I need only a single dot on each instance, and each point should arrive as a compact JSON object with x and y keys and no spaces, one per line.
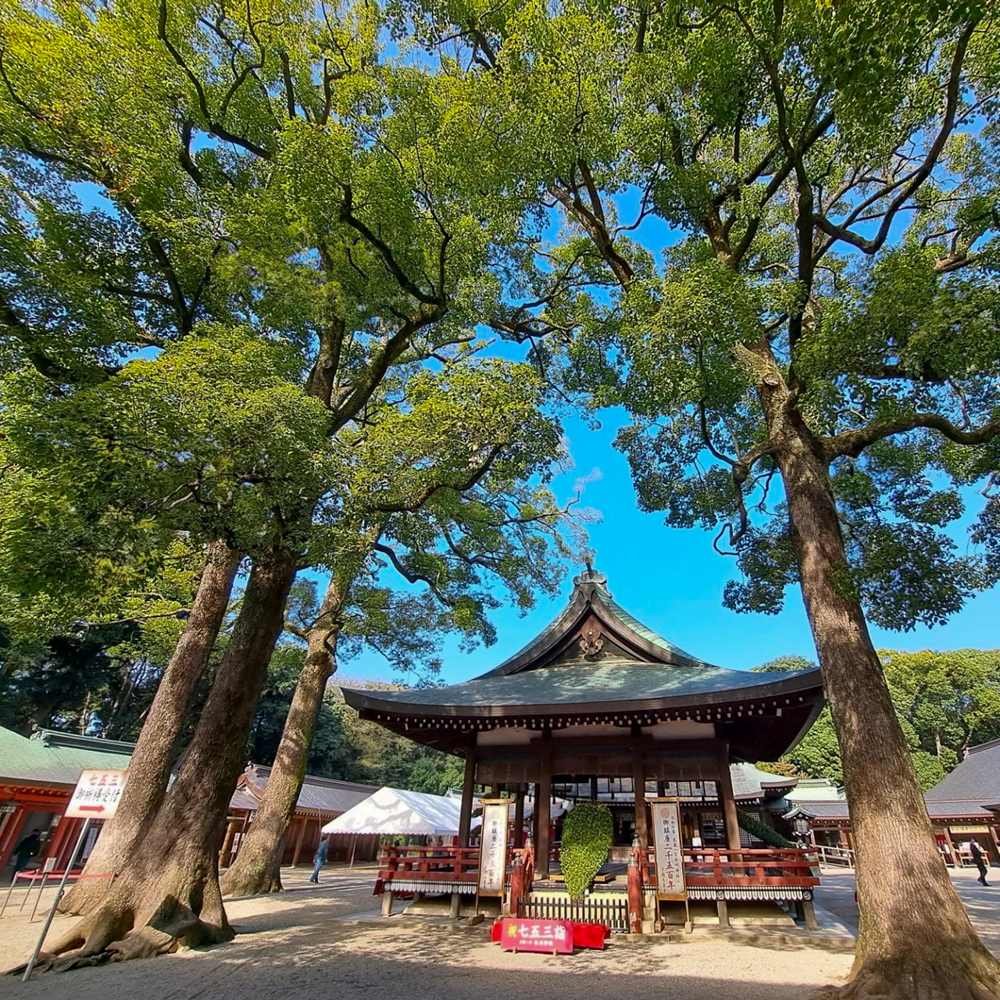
{"x":974,"y":781}
{"x":631,"y":664}
{"x":591,"y":597}
{"x":329,"y":796}
{"x":605,"y":681}
{"x":53,"y":759}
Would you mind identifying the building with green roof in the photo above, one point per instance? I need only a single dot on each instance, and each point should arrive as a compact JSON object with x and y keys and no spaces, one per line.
{"x":598,"y":696}
{"x":37,"y":777}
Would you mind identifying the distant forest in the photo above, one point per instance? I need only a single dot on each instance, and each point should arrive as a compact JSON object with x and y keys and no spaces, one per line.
{"x":100,"y":681}
{"x":945,"y":701}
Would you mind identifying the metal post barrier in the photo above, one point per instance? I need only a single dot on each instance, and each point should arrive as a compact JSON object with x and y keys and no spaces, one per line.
{"x":13,"y":882}
{"x":55,"y":902}
{"x":50,"y":863}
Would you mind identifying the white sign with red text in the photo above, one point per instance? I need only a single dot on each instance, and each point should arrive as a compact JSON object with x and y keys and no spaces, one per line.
{"x":97,"y":795}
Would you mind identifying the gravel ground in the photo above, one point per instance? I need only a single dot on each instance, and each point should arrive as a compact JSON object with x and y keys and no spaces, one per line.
{"x":327,"y":942}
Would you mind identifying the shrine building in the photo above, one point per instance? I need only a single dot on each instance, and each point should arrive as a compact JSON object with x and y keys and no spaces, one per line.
{"x":600,"y":707}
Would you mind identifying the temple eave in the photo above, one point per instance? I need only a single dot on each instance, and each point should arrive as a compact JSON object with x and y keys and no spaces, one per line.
{"x":797,"y":690}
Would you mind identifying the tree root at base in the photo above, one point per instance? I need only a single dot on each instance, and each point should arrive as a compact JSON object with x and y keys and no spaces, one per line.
{"x":112,"y":933}
{"x":250,"y":886}
{"x":977,"y":980}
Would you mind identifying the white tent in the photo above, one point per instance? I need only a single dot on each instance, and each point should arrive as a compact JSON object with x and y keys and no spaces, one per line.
{"x":395,"y":811}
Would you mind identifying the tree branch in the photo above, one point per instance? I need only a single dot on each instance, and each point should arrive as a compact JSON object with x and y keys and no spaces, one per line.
{"x":915,"y":179}
{"x":853,"y":443}
{"x":383,"y":250}
{"x":215,"y":127}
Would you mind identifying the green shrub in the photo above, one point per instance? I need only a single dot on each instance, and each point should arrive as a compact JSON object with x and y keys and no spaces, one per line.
{"x":586,"y":838}
{"x":762,"y":831}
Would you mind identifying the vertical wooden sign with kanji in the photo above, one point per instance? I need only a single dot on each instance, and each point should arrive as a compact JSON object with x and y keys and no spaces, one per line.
{"x":668,"y":848}
{"x":493,"y":847}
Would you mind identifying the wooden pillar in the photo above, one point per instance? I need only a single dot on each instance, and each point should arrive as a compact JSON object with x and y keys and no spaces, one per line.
{"x":639,"y":784}
{"x":468,"y":793}
{"x":465,"y":816}
{"x":593,"y":788}
{"x":517,"y":891}
{"x":69,"y":841}
{"x":298,"y":841}
{"x":728,"y":801}
{"x":226,"y":854}
{"x":955,"y":861}
{"x":518,"y":838}
{"x":543,"y":804}
{"x":13,"y":830}
{"x":55,"y":845}
{"x":635,"y":896}
{"x":243,"y":832}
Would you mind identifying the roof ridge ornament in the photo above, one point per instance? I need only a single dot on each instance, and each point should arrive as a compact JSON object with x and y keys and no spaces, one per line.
{"x":590,"y":577}
{"x":591,"y":643}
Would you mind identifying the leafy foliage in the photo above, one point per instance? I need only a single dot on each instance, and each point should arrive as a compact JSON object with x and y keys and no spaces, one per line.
{"x":761,"y":831}
{"x":945,"y":702}
{"x":587,"y":833}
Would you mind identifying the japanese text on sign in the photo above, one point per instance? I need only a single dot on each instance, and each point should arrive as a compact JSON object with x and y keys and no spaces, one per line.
{"x":97,"y":794}
{"x":493,"y":847}
{"x":554,"y":936}
{"x":669,"y":849}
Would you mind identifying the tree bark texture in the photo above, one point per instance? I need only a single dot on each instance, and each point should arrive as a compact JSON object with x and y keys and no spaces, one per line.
{"x":167,"y":894}
{"x":149,"y":768}
{"x":915,"y":939}
{"x":257,"y":868}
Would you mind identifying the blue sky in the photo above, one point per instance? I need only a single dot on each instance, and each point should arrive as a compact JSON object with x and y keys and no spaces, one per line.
{"x":672,"y":579}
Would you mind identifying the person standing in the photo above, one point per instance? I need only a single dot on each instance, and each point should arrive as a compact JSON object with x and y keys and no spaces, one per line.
{"x":319,"y":859}
{"x":28,"y":848}
{"x":979,"y":860}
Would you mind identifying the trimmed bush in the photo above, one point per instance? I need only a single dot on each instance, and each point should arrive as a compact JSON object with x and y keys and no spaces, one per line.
{"x":586,"y":839}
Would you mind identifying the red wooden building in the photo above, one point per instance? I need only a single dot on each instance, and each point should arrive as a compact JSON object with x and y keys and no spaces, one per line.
{"x":37,"y":776}
{"x":320,"y":800}
{"x":595,"y":700}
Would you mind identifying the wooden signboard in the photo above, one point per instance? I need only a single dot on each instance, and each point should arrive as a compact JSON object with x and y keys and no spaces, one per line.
{"x":669,"y":849}
{"x":493,"y":847}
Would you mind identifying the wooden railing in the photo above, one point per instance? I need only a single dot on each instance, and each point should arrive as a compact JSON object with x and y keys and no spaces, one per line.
{"x":429,"y":864}
{"x":703,"y":867}
{"x":842,"y":856}
{"x":713,"y":868}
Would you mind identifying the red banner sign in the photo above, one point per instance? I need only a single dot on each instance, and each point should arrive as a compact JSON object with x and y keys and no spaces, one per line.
{"x":552,"y":936}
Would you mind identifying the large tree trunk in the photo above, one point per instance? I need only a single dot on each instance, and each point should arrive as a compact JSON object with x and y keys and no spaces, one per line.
{"x":149,"y":768}
{"x":167,"y":894}
{"x":257,"y":867}
{"x":915,"y":939}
